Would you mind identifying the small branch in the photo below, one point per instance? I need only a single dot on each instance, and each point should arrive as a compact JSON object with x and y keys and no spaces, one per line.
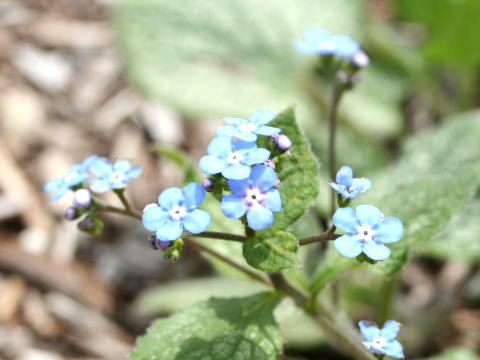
{"x":332,"y":123}
{"x":220,"y":235}
{"x":327,"y":235}
{"x":121,"y":195}
{"x":250,"y":273}
{"x":280,"y":283}
{"x":116,"y":210}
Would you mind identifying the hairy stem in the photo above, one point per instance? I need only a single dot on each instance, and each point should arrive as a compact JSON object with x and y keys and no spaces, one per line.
{"x":327,"y":235}
{"x":250,"y":273}
{"x":332,"y":124}
{"x":121,"y":195}
{"x":281,"y":284}
{"x":220,"y":235}
{"x":113,"y":209}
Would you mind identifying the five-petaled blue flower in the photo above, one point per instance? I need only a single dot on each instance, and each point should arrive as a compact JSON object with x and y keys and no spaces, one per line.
{"x":74,"y":176}
{"x":115,"y":176}
{"x":231,"y":158}
{"x":248,"y":130}
{"x":255,"y":197}
{"x":178,"y":209}
{"x":319,"y":41}
{"x":367,"y":231}
{"x":347,"y":186}
{"x":382,"y":341}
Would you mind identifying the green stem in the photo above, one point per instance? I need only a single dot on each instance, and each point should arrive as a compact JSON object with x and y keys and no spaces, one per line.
{"x":332,"y":124}
{"x":386,"y":297}
{"x":250,"y":273}
{"x":113,"y":209}
{"x":327,"y":235}
{"x":220,"y":235}
{"x":121,"y":195}
{"x":281,"y":284}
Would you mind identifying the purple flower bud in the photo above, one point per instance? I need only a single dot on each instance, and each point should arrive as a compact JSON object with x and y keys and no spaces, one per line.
{"x":151,"y":241}
{"x":87,"y":223}
{"x":283,"y":143}
{"x":360,"y":59}
{"x":82,"y":198}
{"x":270,"y":164}
{"x":274,"y":138}
{"x":70,"y":213}
{"x":207,"y":184}
{"x":163,"y":245}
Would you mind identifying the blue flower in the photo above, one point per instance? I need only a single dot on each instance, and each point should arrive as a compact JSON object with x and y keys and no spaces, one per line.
{"x":347,"y":186}
{"x":115,"y":176}
{"x":74,"y":176}
{"x":319,"y":41}
{"x":255,"y":197}
{"x":367,"y":231}
{"x":232,"y":159}
{"x":177,"y":210}
{"x":382,"y":341}
{"x":248,"y":130}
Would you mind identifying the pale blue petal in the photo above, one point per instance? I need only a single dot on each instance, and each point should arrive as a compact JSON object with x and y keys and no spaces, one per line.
{"x":225,"y":131}
{"x":234,"y":120}
{"x":340,"y":189}
{"x":348,"y":245}
{"x":315,"y":34}
{"x":122,"y":165}
{"x":344,"y":219}
{"x":273,"y":201}
{"x":101,"y":167}
{"x":100,"y":185}
{"x":360,"y":185}
{"x":236,"y":172}
{"x":390,"y":330}
{"x":344,"y":45}
{"x":133,"y":173}
{"x":244,"y":146}
{"x":263,"y":177}
{"x":376,"y":251}
{"x":305,"y":47}
{"x":211,"y":164}
{"x":259,"y":218}
{"x":62,"y":190}
{"x":220,"y":146}
{"x":233,"y":206}
{"x":154,"y":217}
{"x":197,"y":221}
{"x":52,"y":185}
{"x":78,"y":179}
{"x":389,"y":230}
{"x":257,"y":156}
{"x":368,"y":329}
{"x":394,"y":349}
{"x":267,"y":130}
{"x":245,"y":136}
{"x":368,"y":215}
{"x":194,"y":194}
{"x":262,"y":117}
{"x":238,"y":187}
{"x":170,"y":197}
{"x":89,"y":161}
{"x":345,"y":176}
{"x":169,"y":230}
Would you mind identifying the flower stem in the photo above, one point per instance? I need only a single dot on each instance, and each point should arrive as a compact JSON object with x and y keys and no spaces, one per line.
{"x":250,"y":273}
{"x":325,"y":236}
{"x":386,"y":297}
{"x":281,"y":284}
{"x":121,"y":195}
{"x":113,"y":209}
{"x":332,"y":124}
{"x":220,"y":235}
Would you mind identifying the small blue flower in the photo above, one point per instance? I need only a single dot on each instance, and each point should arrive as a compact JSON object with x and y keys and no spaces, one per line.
{"x":255,"y":197}
{"x":347,"y":186}
{"x":74,"y":176}
{"x":231,"y":158}
{"x":319,"y":41}
{"x":366,"y":230}
{"x":247,"y":130}
{"x":177,"y":210}
{"x":115,"y":176}
{"x":382,"y":341}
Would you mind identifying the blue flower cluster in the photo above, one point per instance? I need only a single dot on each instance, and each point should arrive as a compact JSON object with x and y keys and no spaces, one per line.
{"x":115,"y":176}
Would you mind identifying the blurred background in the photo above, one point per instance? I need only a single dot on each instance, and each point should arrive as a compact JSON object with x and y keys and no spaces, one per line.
{"x":150,"y":80}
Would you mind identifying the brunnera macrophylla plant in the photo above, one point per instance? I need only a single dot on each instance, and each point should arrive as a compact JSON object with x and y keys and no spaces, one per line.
{"x":262,"y":173}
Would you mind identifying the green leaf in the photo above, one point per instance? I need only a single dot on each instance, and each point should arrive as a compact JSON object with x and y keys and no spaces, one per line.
{"x":456,"y":354}
{"x":298,"y":174}
{"x":271,"y":251}
{"x":217,"y":329}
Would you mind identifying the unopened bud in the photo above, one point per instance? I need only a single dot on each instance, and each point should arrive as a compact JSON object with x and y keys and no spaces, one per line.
{"x":270,"y":164}
{"x":360,"y":59}
{"x":207,"y":184}
{"x":70,"y":213}
{"x":87,"y":223}
{"x":152,"y":242}
{"x":283,"y":143}
{"x":82,"y":198}
{"x":163,"y":245}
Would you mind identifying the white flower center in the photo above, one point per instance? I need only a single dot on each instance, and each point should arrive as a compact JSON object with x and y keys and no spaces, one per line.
{"x":177,"y":212}
{"x":254,"y":197}
{"x":365,"y":232}
{"x":378,"y":343}
{"x":235,"y":157}
{"x":247,"y":127}
{"x":116,"y":177}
